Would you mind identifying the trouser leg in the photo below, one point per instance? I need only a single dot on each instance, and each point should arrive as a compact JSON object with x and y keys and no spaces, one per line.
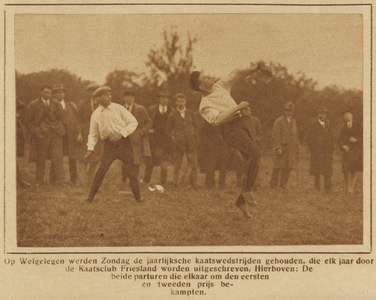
{"x":317,"y":182}
{"x":164,"y":166}
{"x":106,"y":161}
{"x":222,"y":179}
{"x":73,"y":169}
{"x":192,"y":158}
{"x":178,"y":159}
{"x":210,"y":179}
{"x":125,"y":154}
{"x":149,"y":165}
{"x":274,"y":180}
{"x":93,"y":168}
{"x":285,"y":174}
{"x":328,"y":182}
{"x":239,"y":178}
{"x":57,"y":157}
{"x":41,"y":147}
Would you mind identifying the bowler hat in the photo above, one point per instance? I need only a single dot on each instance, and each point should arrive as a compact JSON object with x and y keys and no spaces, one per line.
{"x":58,"y":87}
{"x":163,"y":94}
{"x":322,"y":109}
{"x":289,"y":106}
{"x":92,"y":86}
{"x":101,"y":90}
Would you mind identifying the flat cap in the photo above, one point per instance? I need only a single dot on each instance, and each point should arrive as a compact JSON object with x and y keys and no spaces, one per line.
{"x":101,"y":90}
{"x":289,"y":106}
{"x":58,"y":87}
{"x":163,"y":94}
{"x":92,"y":86}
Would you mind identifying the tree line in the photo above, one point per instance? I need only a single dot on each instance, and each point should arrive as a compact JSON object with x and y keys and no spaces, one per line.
{"x":169,"y":67}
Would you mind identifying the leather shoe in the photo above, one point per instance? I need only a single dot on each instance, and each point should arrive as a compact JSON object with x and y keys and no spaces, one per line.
{"x":248,"y":197}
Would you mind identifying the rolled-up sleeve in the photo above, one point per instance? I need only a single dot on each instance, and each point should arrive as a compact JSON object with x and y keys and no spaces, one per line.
{"x":94,"y":132}
{"x":130,"y":123}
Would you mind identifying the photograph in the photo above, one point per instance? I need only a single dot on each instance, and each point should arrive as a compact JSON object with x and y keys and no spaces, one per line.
{"x":204,"y":150}
{"x":189,"y":130}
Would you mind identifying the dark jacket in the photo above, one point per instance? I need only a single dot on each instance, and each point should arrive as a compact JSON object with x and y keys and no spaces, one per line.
{"x":320,"y":143}
{"x":70,"y":121}
{"x":285,"y":137}
{"x":183,"y":131}
{"x":353,"y":160}
{"x":158,"y":138}
{"x":140,"y":137}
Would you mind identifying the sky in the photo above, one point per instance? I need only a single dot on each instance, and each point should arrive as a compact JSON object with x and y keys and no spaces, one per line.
{"x":325,"y":47}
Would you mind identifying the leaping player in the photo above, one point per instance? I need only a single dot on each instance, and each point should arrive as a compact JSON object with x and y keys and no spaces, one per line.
{"x":218,"y":108}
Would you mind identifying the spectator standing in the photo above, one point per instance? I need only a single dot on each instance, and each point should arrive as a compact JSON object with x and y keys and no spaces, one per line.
{"x":285,"y":147}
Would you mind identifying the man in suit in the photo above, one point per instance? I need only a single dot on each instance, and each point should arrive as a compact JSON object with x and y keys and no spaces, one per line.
{"x":88,"y":168}
{"x":182,"y":128}
{"x":70,"y":138}
{"x":160,"y":143}
{"x":285,"y":146}
{"x":321,"y":145}
{"x":140,"y":137}
{"x":45,"y":116}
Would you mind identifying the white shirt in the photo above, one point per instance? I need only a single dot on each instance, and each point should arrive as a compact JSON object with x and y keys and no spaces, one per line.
{"x":219,"y":101}
{"x":63,"y":103}
{"x":349,"y":124}
{"x":162,"y":109}
{"x":106,"y":121}
{"x":182,"y":112}
{"x":46,"y":102}
{"x":322,"y":123}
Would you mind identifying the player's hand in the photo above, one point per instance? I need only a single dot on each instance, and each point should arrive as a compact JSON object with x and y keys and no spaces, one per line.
{"x":87,"y":155}
{"x":346,"y":148}
{"x":264,"y":69}
{"x":246,"y":112}
{"x":114,"y":137}
{"x":353,"y":140}
{"x":243,"y":104}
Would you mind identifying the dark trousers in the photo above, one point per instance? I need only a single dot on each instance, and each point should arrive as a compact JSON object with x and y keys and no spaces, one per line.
{"x":280,"y":177}
{"x":210,"y":179}
{"x":149,"y":170}
{"x":237,"y":135}
{"x":72,"y":171}
{"x":327,"y":182}
{"x":125,"y":174}
{"x":122,"y":149}
{"x":51,"y":144}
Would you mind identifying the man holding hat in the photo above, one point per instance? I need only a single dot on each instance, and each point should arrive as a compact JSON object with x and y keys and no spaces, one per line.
{"x":112,"y":123}
{"x":285,"y":147}
{"x":160,"y":143}
{"x":45,"y":116}
{"x":320,"y":143}
{"x":70,"y":121}
{"x":88,"y":168}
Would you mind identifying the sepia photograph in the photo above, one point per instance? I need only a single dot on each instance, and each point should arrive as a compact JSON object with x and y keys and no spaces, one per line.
{"x":189,"y":130}
{"x":206,"y":150}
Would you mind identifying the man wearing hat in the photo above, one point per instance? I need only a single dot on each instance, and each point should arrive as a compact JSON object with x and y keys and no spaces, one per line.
{"x":140,"y":137}
{"x":320,"y":143}
{"x":112,"y":123}
{"x":285,"y":147}
{"x":45,"y":117}
{"x":160,"y":143}
{"x":70,"y":121}
{"x":88,"y":168}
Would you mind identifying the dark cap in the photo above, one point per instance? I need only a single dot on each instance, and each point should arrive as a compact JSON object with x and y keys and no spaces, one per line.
{"x":101,"y":90}
{"x":58,"y":87}
{"x":92,"y":86}
{"x":163,"y":94}
{"x":289,"y":106}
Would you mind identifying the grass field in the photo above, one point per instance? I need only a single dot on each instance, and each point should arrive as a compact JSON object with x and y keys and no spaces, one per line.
{"x":51,"y":216}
